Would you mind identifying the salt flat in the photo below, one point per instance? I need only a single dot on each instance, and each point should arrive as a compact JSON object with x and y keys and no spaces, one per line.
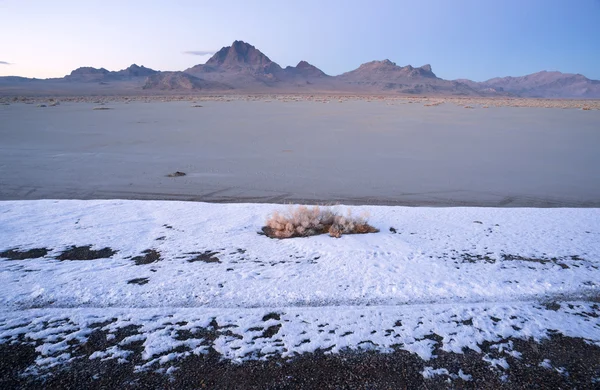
{"x":453,"y":295}
{"x":449,"y":279}
{"x":355,"y":152}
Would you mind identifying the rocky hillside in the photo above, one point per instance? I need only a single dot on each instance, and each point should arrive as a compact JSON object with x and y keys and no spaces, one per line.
{"x":240,"y":65}
{"x":89,"y":74}
{"x":180,"y":81}
{"x":244,"y":68}
{"x":136,"y":71}
{"x":304,"y":69}
{"x":387,"y":71}
{"x":547,"y":85}
{"x":387,"y":76}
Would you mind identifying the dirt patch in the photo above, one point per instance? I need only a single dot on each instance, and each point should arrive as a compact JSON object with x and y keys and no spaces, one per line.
{"x":98,"y":340}
{"x":186,"y":334}
{"x":207,"y":257}
{"x":85,"y":253}
{"x":14,"y":254}
{"x":138,"y":281}
{"x":553,"y":260}
{"x":557,"y":362}
{"x":176,"y":174}
{"x":469,"y":258}
{"x":14,"y":359}
{"x":149,"y":256}
{"x":269,"y":332}
{"x":272,"y":316}
{"x":554,"y":306}
{"x":528,"y":259}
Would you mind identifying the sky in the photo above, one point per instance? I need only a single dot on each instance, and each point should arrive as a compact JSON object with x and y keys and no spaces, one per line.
{"x":474,"y":39}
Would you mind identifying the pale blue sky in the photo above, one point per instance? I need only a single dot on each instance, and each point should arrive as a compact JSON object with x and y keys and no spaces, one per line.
{"x":476,"y":39}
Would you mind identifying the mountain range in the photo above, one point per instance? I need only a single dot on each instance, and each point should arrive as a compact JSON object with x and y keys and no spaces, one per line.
{"x":242,"y":68}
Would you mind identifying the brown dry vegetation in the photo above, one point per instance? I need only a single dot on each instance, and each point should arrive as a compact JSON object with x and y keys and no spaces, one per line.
{"x":304,"y":221}
{"x":391,"y":100}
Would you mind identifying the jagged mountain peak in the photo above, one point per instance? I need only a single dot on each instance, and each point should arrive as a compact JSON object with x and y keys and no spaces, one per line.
{"x":305,"y":65}
{"x":427,"y":68}
{"x":88,"y":70}
{"x":135,"y":70}
{"x":238,"y":54}
{"x":304,"y":69}
{"x":388,"y":69}
{"x":378,"y":64}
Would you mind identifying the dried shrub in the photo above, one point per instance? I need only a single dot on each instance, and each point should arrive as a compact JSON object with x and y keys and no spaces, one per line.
{"x":305,"y":221}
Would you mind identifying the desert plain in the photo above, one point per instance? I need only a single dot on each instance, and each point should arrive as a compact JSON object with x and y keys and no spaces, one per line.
{"x":133,"y":252}
{"x":303,"y":148}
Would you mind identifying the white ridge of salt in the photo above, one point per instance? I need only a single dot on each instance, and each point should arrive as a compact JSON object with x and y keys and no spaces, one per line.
{"x":467,"y":275}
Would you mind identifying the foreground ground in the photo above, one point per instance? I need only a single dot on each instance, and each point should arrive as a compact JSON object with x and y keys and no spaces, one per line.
{"x":396,"y":151}
{"x":550,"y":364}
{"x":186,"y":295}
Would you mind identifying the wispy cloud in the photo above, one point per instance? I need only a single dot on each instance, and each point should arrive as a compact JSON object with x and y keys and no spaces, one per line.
{"x":5,"y":63}
{"x":199,"y":52}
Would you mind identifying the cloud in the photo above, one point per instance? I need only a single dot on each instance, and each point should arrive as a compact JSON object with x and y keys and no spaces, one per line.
{"x":199,"y":52}
{"x":5,"y":63}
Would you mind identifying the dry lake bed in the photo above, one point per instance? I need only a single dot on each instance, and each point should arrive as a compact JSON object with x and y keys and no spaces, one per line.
{"x":108,"y":292}
{"x":355,"y":152}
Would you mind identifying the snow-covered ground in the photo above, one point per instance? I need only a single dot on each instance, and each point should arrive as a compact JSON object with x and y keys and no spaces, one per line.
{"x":467,"y":275}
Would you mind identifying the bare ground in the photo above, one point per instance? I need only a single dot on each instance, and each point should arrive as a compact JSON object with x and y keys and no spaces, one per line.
{"x":573,"y":364}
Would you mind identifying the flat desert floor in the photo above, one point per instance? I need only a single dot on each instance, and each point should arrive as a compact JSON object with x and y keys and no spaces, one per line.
{"x":102,"y":285}
{"x":355,"y":151}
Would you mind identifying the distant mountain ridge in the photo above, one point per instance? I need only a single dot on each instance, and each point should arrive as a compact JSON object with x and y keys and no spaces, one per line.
{"x":389,"y":69}
{"x":242,"y":67}
{"x":89,"y":74}
{"x":547,"y":84}
{"x":388,"y":76}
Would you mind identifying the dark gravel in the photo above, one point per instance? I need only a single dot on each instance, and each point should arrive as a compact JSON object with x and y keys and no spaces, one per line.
{"x":85,"y":253}
{"x":15,"y":254}
{"x":348,"y":370}
{"x":149,"y":256}
{"x":207,"y":257}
